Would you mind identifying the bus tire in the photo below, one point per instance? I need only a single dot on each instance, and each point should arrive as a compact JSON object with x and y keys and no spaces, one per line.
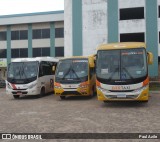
{"x":62,"y":97}
{"x":16,"y":96}
{"x":146,"y":101}
{"x":42,"y":93}
{"x":93,"y":92}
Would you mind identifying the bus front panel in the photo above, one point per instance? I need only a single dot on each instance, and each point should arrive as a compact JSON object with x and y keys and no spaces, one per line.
{"x":122,"y":74}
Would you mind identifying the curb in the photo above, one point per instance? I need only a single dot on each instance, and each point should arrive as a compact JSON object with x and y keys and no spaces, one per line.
{"x":154,"y":92}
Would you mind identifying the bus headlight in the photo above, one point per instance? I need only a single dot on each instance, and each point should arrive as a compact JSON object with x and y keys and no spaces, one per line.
{"x":57,"y":85}
{"x":141,"y":89}
{"x":102,"y":90}
{"x":32,"y":85}
{"x":84,"y":85}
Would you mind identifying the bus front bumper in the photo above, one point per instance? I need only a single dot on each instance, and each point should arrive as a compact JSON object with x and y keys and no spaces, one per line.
{"x":136,"y":95}
{"x":33,"y":91}
{"x":72,"y":92}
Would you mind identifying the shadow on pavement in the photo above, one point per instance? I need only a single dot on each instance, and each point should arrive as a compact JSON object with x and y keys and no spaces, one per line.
{"x":123,"y":104}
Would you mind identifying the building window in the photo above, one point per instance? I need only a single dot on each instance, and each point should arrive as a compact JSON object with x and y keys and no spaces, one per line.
{"x":36,"y":52}
{"x":59,"y":32}
{"x":137,"y":37}
{"x":41,"y":33}
{"x":3,"y":53}
{"x":19,"y":35}
{"x":23,"y":34}
{"x":46,"y":51}
{"x":19,"y":53}
{"x":23,"y":52}
{"x":2,"y":36}
{"x":59,"y":52}
{"x":39,"y":52}
{"x":36,"y":34}
{"x":15,"y":53}
{"x":14,"y":35}
{"x":45,"y":33}
{"x":132,"y":13}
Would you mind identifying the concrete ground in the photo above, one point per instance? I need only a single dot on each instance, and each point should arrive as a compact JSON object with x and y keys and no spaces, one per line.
{"x":50,"y":114}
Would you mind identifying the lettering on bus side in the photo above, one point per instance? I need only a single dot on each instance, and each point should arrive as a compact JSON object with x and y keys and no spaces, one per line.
{"x":121,"y":88}
{"x":51,"y":83}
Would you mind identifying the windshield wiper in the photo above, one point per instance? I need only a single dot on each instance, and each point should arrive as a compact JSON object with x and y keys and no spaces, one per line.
{"x":127,"y":72}
{"x":76,"y":74}
{"x":67,"y":72}
{"x":116,"y":69}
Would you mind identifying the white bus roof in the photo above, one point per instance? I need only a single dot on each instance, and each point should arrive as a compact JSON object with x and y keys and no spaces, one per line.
{"x":39,"y":59}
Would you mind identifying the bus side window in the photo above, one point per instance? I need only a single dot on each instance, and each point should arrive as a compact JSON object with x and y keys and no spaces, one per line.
{"x":53,"y":64}
{"x":41,"y":70}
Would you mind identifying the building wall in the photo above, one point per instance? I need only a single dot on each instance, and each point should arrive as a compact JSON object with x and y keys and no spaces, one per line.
{"x":159,"y":27}
{"x":68,"y":51}
{"x":94,"y":15}
{"x":36,"y":43}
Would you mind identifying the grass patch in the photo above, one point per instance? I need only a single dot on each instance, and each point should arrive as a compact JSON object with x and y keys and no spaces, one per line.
{"x":154,"y":86}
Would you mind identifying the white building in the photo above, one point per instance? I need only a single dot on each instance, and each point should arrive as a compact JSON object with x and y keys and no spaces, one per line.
{"x":89,"y":23}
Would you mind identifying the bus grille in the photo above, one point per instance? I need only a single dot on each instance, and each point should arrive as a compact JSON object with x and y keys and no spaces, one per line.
{"x":121,"y":90}
{"x":70,"y":93}
{"x":15,"y":93}
{"x":127,"y":97}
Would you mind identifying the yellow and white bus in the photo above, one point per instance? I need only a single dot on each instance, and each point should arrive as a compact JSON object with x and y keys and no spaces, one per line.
{"x":75,"y":76}
{"x":122,"y":72}
{"x":30,"y":76}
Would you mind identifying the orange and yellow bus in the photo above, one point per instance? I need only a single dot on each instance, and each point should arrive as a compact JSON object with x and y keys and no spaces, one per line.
{"x":122,"y":72}
{"x":75,"y":76}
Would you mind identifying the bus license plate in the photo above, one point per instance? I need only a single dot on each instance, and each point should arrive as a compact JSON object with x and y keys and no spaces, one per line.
{"x":121,"y":96}
{"x":19,"y":93}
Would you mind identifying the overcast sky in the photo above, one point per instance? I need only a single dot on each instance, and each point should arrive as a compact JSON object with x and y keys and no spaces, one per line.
{"x":8,"y":7}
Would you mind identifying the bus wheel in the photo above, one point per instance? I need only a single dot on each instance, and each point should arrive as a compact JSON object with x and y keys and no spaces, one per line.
{"x":16,"y":96}
{"x":93,"y":92}
{"x":146,"y":101}
{"x":62,"y":97}
{"x":42,"y":93}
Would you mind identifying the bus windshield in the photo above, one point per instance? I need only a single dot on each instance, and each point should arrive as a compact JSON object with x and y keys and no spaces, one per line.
{"x":72,"y":69}
{"x":123,"y":65}
{"x":22,"y":72}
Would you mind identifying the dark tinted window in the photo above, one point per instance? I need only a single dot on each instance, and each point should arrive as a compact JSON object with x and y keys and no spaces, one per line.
{"x":23,"y":34}
{"x":15,"y":53}
{"x":132,"y":13}
{"x":3,"y":53}
{"x":24,"y":52}
{"x":2,"y":36}
{"x":59,"y":51}
{"x":139,"y":37}
{"x":59,"y":32}
{"x":159,"y":37}
{"x":36,"y":34}
{"x":46,"y":51}
{"x":15,"y":35}
{"x":45,"y":33}
{"x":36,"y":52}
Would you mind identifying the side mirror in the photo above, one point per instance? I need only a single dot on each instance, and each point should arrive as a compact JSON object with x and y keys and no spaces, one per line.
{"x":150,"y":58}
{"x":53,"y":68}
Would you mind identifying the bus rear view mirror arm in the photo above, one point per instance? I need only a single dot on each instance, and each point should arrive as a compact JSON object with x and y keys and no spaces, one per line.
{"x":150,"y":58}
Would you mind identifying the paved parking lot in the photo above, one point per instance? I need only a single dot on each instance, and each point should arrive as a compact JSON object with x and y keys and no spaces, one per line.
{"x":49,"y":114}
